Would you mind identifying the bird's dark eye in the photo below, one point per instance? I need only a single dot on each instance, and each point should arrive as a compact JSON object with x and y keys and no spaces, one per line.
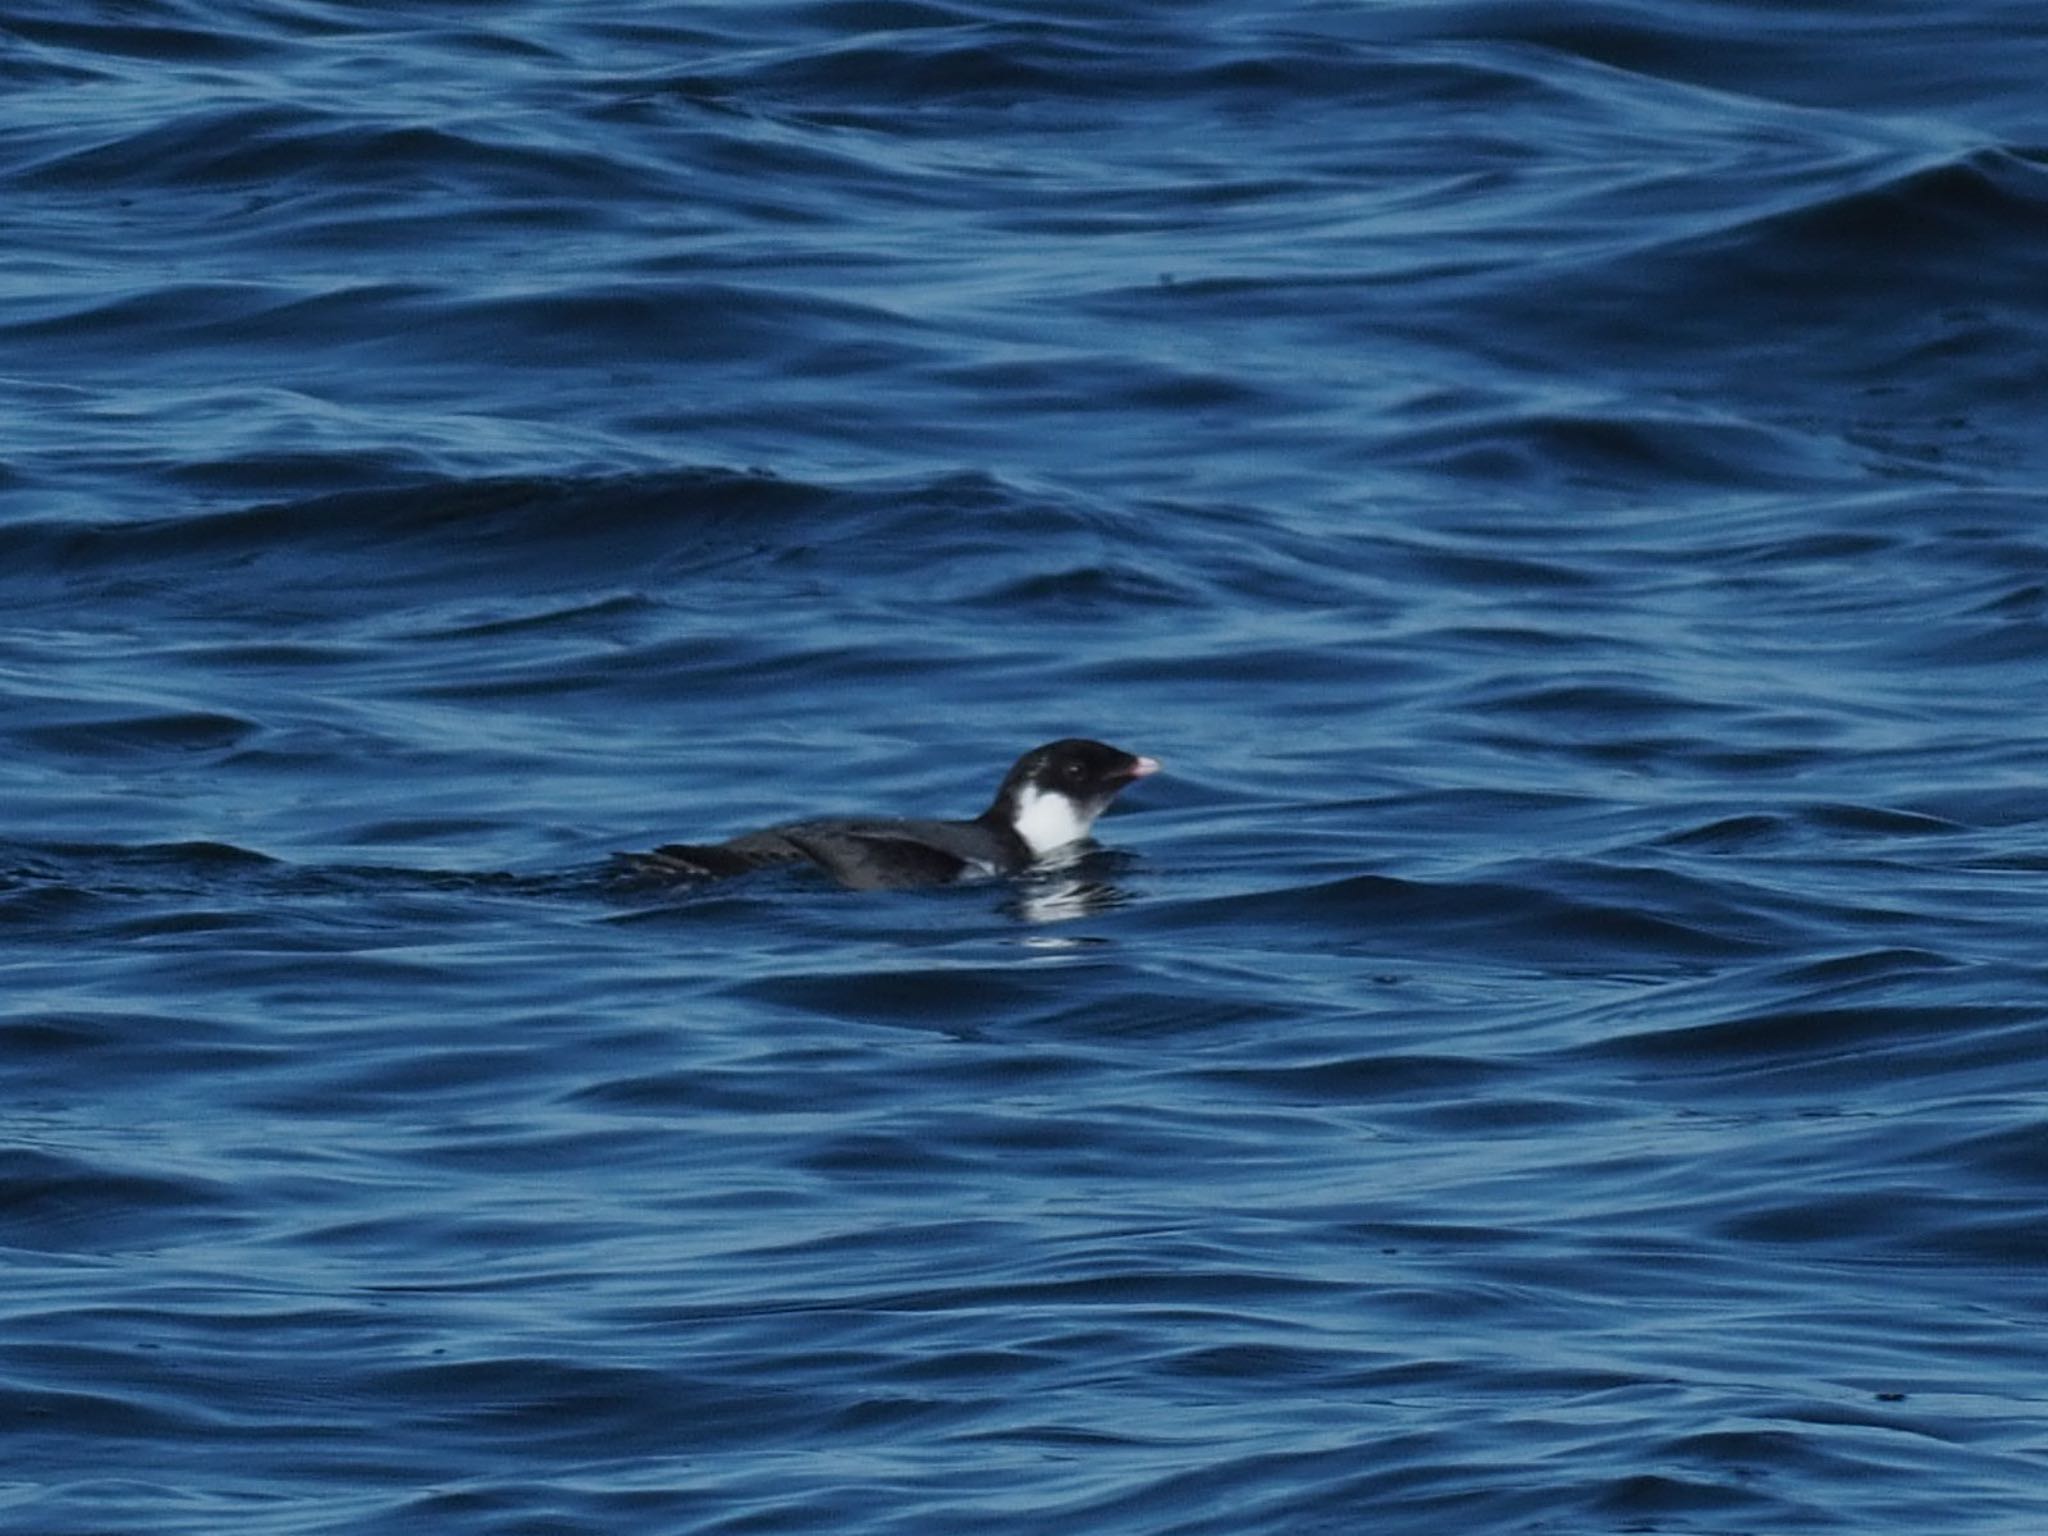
{"x":1073,"y":772}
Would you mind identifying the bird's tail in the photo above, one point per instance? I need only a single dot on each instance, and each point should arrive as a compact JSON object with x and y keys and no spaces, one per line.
{"x":708,"y":861}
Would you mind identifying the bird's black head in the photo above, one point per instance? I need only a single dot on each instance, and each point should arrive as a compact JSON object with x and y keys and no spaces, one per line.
{"x":1053,"y":794}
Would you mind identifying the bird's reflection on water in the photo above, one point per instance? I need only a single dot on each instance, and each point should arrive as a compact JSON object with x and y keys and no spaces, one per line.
{"x":1077,"y":883}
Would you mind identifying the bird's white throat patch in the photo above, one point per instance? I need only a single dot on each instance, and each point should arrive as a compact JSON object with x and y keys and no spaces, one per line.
{"x":1047,"y":819}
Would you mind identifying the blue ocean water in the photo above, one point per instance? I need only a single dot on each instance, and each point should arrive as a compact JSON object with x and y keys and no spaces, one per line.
{"x":1563,"y":1047}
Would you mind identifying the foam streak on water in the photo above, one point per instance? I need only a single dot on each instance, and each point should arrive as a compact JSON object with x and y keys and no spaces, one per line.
{"x":1557,"y":1049}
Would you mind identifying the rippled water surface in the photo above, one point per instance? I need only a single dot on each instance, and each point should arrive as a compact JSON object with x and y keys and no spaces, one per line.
{"x":1561,"y":1049}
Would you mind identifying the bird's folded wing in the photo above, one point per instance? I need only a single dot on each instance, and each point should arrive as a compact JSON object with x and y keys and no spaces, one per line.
{"x":873,"y":861}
